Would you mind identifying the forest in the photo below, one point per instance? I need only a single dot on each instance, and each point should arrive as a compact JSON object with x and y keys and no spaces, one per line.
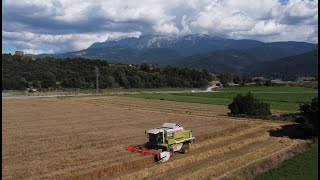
{"x":24,"y":72}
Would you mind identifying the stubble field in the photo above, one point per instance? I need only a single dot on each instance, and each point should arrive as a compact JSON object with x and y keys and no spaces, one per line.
{"x":86,"y":138}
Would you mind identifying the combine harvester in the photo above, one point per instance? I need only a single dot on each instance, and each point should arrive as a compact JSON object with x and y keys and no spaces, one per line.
{"x":164,"y":141}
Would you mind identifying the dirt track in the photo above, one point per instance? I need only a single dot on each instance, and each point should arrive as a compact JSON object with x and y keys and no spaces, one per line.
{"x":86,"y":138}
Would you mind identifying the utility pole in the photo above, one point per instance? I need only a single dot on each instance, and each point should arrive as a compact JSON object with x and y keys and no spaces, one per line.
{"x":97,"y":79}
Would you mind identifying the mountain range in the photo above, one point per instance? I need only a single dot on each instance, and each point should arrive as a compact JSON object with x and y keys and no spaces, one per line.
{"x":305,"y":64}
{"x":195,"y":51}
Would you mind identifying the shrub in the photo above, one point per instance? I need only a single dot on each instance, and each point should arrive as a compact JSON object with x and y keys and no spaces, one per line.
{"x":309,"y":114}
{"x":290,"y":116}
{"x":268,"y":83}
{"x":249,"y":106}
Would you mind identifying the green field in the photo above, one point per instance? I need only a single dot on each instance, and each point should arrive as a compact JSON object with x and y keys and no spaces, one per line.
{"x":133,"y":90}
{"x":107,"y":91}
{"x":284,"y":98}
{"x":302,"y":166}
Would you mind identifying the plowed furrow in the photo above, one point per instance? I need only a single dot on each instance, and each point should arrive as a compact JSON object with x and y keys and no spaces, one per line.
{"x":213,"y":170}
{"x":163,"y":168}
{"x":145,"y":161}
{"x":86,"y":138}
{"x":214,"y":160}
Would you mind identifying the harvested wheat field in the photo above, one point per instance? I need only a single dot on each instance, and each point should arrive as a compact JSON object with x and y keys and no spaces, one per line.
{"x":86,"y":138}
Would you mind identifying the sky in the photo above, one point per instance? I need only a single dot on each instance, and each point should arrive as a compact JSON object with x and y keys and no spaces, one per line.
{"x":57,"y":26}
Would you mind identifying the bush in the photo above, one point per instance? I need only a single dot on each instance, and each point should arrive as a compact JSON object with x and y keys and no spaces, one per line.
{"x":309,"y":114}
{"x":290,"y":116}
{"x":268,"y":83}
{"x":249,"y":106}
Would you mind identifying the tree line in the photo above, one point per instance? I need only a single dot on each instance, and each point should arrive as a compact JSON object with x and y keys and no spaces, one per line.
{"x":248,"y":106}
{"x":48,"y":72}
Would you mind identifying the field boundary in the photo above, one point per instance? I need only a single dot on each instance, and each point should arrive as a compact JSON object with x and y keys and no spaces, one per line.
{"x":248,"y":171}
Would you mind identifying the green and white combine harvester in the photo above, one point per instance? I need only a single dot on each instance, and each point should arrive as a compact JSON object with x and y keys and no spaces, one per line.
{"x":164,"y":141}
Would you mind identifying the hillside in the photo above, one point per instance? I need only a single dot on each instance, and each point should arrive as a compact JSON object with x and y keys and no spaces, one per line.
{"x":230,"y":60}
{"x":184,"y":45}
{"x":165,"y":49}
{"x":122,"y":55}
{"x":305,"y":64}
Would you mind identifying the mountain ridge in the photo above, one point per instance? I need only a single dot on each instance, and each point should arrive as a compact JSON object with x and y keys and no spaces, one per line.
{"x":289,"y":68}
{"x":195,"y":50}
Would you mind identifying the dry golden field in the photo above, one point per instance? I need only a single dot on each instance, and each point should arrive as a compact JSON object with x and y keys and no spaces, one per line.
{"x":86,"y":138}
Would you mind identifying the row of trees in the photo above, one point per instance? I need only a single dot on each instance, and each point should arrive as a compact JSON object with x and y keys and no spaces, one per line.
{"x":252,"y":107}
{"x":226,"y":78}
{"x":20,"y":73}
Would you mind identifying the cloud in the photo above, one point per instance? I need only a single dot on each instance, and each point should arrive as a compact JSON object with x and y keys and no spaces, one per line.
{"x":31,"y":51}
{"x":68,"y":25}
{"x":300,"y":12}
{"x":30,"y":41}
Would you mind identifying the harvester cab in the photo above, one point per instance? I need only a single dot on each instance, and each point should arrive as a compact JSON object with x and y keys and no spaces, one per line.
{"x":165,"y":141}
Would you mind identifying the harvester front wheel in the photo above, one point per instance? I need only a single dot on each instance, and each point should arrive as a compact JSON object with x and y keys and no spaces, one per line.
{"x":185,"y":149}
{"x":171,"y":151}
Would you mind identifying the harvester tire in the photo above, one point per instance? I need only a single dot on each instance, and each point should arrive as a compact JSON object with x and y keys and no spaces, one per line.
{"x":185,"y":149}
{"x":157,"y":157}
{"x":171,"y":151}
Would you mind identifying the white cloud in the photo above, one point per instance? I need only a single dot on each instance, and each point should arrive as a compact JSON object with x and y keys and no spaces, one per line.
{"x":300,"y":12}
{"x":73,"y":25}
{"x":28,"y":40}
{"x":265,"y":28}
{"x":33,"y":51}
{"x":185,"y":26}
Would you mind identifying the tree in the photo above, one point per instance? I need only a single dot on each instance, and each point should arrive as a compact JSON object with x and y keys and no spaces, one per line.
{"x":145,"y":67}
{"x":124,"y":82}
{"x":225,"y":79}
{"x":48,"y":79}
{"x":268,"y":83}
{"x":248,"y":105}
{"x":110,"y":81}
{"x":18,"y":73}
{"x":246,"y":79}
{"x":35,"y":84}
{"x":14,"y":83}
{"x":309,"y":113}
{"x":71,"y":82}
{"x":135,"y":81}
{"x":236,"y":79}
{"x":258,"y":81}
{"x":224,"y":83}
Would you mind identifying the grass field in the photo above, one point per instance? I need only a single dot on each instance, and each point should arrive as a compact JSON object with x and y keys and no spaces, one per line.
{"x":302,"y":166}
{"x":132,"y":90}
{"x":108,"y":91}
{"x":284,"y":98}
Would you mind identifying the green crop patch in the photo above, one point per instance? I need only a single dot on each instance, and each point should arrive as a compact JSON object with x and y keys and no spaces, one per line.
{"x":283,"y":98}
{"x":302,"y":166}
